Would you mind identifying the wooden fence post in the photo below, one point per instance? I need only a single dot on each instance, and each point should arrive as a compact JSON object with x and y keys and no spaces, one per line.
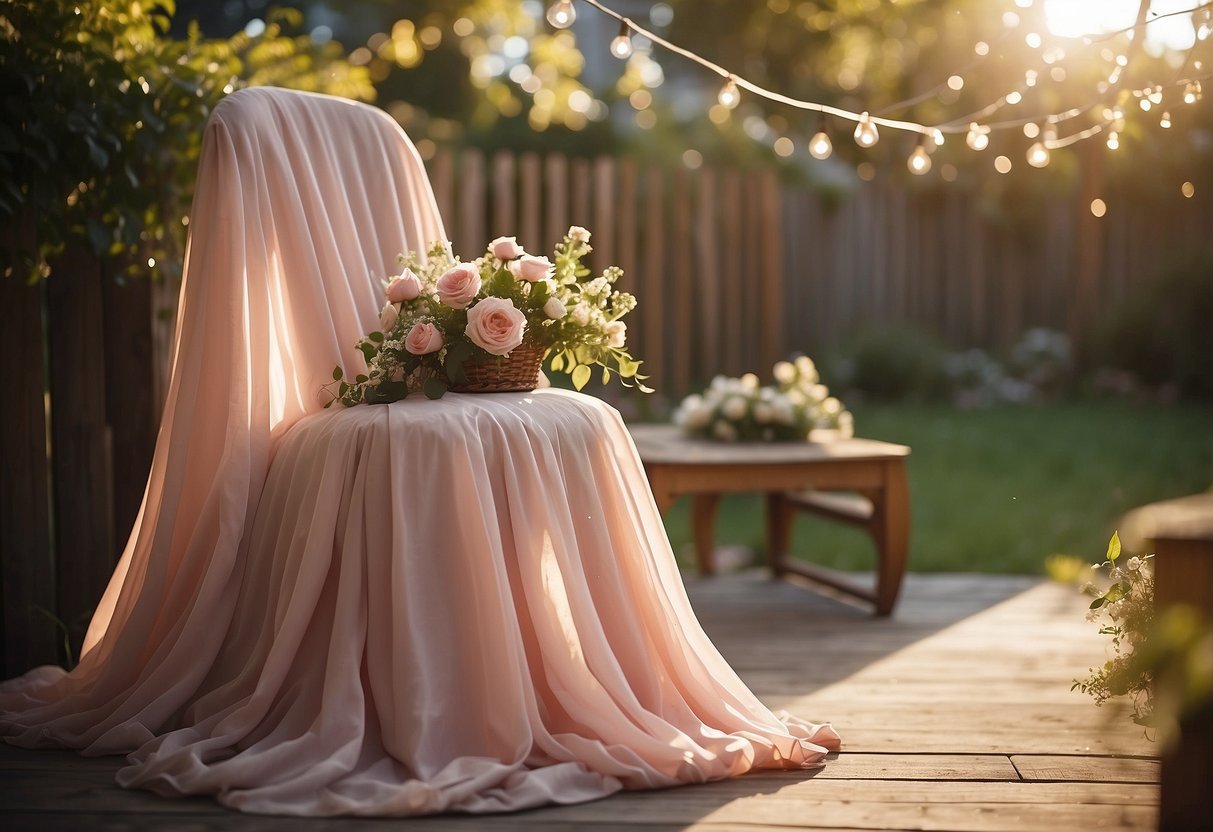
{"x":26,"y":567}
{"x":130,"y":405}
{"x":80,"y":440}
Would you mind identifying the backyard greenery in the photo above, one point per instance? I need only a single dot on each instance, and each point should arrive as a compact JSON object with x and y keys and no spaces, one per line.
{"x":1000,"y":489}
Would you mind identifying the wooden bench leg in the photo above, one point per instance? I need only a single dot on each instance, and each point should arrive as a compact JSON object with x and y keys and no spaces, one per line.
{"x":890,"y":530}
{"x":780,"y":514}
{"x":703,"y":531}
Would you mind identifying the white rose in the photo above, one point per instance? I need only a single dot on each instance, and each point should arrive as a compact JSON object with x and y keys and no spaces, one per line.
{"x":581,"y":314}
{"x":554,"y":309}
{"x":763,"y":413}
{"x":735,"y":408}
{"x":749,"y":382}
{"x":698,"y":418}
{"x":785,"y":373}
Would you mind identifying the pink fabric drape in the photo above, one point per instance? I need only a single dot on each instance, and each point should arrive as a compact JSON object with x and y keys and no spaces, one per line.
{"x":467,"y":604}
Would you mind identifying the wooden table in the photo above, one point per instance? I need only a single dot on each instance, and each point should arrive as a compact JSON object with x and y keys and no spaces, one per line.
{"x":789,"y":474}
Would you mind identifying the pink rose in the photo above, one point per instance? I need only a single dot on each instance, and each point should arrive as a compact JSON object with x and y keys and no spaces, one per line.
{"x":506,"y":248}
{"x":406,"y":286}
{"x":423,"y":339}
{"x":496,"y":325}
{"x":388,"y":316}
{"x":532,"y":269}
{"x":459,"y":286}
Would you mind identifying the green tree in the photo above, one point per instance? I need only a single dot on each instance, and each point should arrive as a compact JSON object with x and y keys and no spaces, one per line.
{"x":101,"y":116}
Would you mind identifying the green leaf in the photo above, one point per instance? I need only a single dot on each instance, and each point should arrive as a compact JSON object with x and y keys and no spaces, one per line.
{"x":581,"y":376}
{"x":361,"y":378}
{"x":539,"y":294}
{"x":434,"y":388}
{"x":501,"y":282}
{"x":606,"y":375}
{"x":557,"y":363}
{"x":368,"y":350}
{"x":337,"y":374}
{"x":1114,"y":547}
{"x":1097,"y":603}
{"x":377,"y":337}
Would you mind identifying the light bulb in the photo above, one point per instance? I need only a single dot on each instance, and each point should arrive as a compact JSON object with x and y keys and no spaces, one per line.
{"x":1156,"y":96}
{"x":937,"y":137}
{"x":729,"y":95}
{"x":561,"y":14}
{"x":621,"y":46}
{"x":978,"y":137}
{"x":919,"y":162}
{"x":820,"y":146}
{"x":1165,"y":121}
{"x":1145,"y":104}
{"x":1038,"y":155}
{"x":1192,"y":92}
{"x":866,"y":133}
{"x":1113,"y":140}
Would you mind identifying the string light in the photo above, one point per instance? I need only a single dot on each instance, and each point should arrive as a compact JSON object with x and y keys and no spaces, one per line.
{"x":820,"y":146}
{"x":621,"y":46}
{"x":866,"y":133}
{"x":561,"y":14}
{"x":1038,"y":155}
{"x":978,"y":137}
{"x":976,"y":125}
{"x":729,"y":96}
{"x":919,"y":161}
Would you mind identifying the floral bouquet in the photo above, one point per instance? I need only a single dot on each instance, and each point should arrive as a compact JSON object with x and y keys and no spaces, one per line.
{"x":737,"y":409}
{"x":446,"y":320}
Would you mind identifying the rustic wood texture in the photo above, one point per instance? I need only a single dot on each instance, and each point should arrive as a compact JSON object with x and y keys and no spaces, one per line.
{"x":81,"y":460}
{"x":26,"y":567}
{"x":955,"y":715}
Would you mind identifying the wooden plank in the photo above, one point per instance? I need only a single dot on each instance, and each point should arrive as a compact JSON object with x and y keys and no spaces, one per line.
{"x":707,"y":273}
{"x":920,"y":767}
{"x":469,"y":235}
{"x":605,"y":211}
{"x":631,"y":216}
{"x":1072,"y":768}
{"x":26,"y":571}
{"x":85,"y":551}
{"x":441,"y":169}
{"x":772,"y":292}
{"x":679,"y":320}
{"x":555,"y":180}
{"x":734,"y":276}
{"x":505,"y":217}
{"x":130,"y":409}
{"x":530,"y":223}
{"x":580,"y":186}
{"x":650,"y":289}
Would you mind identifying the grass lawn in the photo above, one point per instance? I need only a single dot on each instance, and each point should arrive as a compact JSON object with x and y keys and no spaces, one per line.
{"x":998,"y":490}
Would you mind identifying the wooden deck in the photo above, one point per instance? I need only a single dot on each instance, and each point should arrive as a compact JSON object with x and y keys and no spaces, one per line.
{"x":955,"y":714}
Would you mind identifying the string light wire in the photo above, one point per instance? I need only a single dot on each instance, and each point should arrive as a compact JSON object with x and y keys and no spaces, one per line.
{"x":867,"y":122}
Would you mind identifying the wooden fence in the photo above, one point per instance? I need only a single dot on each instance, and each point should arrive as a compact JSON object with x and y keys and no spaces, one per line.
{"x":732,"y":270}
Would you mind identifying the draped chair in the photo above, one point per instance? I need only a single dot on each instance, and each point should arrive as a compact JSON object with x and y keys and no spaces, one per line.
{"x":466,"y":604}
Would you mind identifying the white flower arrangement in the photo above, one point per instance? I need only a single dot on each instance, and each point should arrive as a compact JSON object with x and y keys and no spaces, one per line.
{"x":792,"y":409}
{"x":441,"y":314}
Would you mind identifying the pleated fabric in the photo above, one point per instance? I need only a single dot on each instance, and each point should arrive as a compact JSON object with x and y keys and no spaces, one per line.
{"x":461,"y":605}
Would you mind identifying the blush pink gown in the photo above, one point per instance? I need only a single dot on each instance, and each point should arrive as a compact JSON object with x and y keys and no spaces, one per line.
{"x":458,"y":605}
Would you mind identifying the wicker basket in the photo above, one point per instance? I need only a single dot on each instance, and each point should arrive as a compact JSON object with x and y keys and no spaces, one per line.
{"x":518,"y":371}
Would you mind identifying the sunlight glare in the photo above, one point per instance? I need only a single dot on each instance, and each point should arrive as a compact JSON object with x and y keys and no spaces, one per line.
{"x":1076,"y":18}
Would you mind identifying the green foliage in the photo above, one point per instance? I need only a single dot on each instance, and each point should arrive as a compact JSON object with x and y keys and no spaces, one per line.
{"x":101,"y":117}
{"x":1161,"y":332}
{"x":894,"y":363}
